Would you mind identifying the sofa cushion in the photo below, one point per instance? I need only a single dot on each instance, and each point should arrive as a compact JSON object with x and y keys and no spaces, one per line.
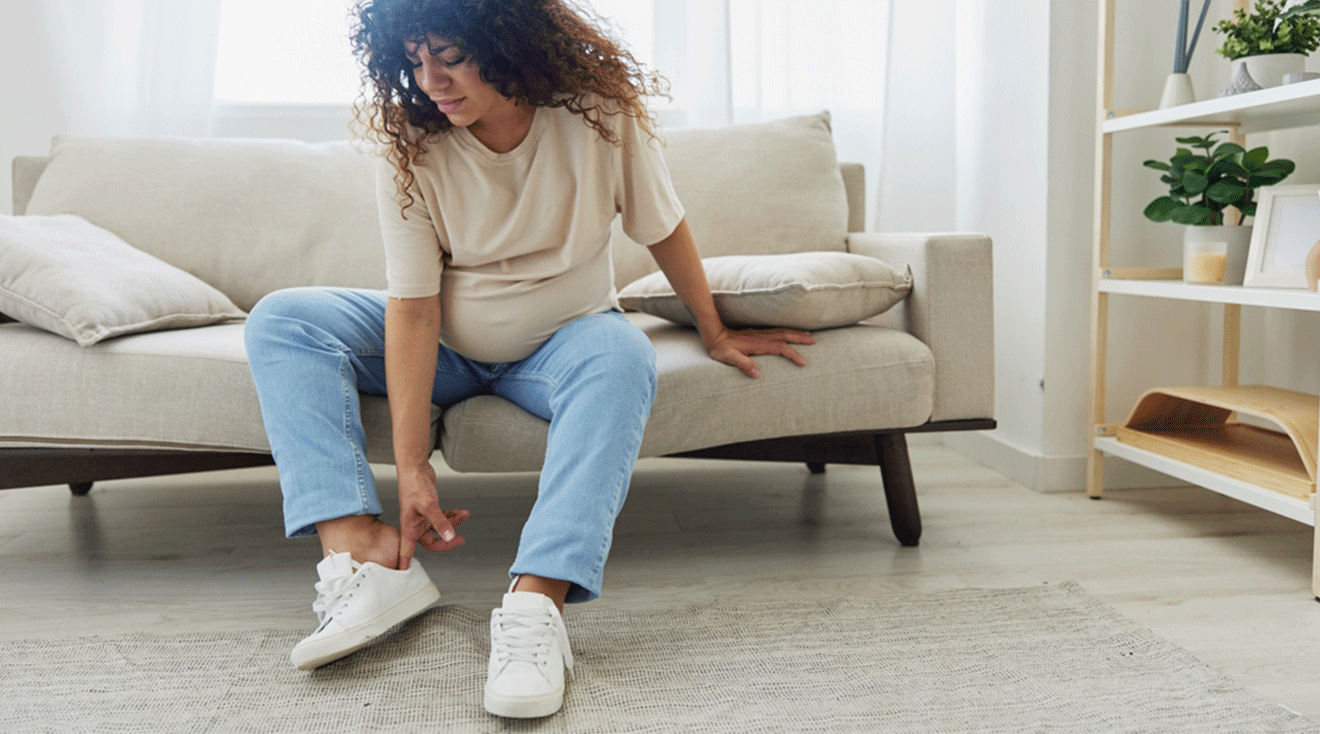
{"x":764,"y":188}
{"x":185,"y":389}
{"x":246,"y":216}
{"x":72,"y":278}
{"x":804,"y":290}
{"x":857,"y":378}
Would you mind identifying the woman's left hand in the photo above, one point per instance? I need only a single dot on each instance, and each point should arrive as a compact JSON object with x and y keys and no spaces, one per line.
{"x":735,"y":347}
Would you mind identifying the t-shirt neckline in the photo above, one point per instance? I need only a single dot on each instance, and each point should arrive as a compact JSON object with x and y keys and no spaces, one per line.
{"x":527,"y":145}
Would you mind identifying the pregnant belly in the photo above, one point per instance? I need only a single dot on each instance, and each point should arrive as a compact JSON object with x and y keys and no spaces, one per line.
{"x":493,"y":320}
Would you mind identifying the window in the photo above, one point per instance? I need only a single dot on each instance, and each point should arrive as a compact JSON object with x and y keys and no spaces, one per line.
{"x":299,"y":52}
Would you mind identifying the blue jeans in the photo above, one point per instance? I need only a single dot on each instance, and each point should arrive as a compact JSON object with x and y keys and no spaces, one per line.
{"x":313,"y":350}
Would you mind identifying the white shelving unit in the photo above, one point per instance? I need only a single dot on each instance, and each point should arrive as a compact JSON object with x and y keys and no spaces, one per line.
{"x":1276,"y":108}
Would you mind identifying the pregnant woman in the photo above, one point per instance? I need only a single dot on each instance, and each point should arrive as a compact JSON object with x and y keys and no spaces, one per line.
{"x":511,"y":134}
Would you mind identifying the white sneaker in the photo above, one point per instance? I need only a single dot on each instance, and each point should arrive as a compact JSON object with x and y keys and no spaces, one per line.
{"x":528,"y":654}
{"x":356,"y":603}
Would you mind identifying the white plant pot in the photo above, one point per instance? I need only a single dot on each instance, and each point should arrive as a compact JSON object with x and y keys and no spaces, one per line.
{"x":1216,"y":254}
{"x":1177,"y":91}
{"x":1268,"y":69}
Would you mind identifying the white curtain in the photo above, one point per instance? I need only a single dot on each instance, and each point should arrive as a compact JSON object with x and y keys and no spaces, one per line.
{"x":736,"y":61}
{"x":133,"y":67}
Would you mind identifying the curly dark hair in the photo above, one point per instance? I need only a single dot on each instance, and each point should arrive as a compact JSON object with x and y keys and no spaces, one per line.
{"x":546,"y":53}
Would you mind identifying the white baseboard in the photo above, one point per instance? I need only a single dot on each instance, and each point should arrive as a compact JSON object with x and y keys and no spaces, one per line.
{"x":1050,"y":473}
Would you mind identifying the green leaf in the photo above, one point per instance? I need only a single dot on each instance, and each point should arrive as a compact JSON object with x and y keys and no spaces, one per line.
{"x":1255,"y":157}
{"x":1265,"y":179}
{"x":1197,"y":164}
{"x":1282,"y":165}
{"x":1228,"y":167}
{"x":1248,"y":210}
{"x":1226,"y":191}
{"x":1193,"y":214}
{"x":1158,"y":210}
{"x":1228,"y":149}
{"x":1191,"y":140}
{"x":1158,"y":165}
{"x":1195,"y":182}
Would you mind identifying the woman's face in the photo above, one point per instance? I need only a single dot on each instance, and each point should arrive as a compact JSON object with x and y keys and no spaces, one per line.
{"x":452,"y":80}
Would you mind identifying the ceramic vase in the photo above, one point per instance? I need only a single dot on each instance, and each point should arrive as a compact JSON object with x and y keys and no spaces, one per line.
{"x":1268,"y":69}
{"x":1200,"y":260}
{"x":1177,"y":91}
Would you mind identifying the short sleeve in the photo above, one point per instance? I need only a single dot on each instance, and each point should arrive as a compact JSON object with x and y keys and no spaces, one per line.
{"x":644,"y":194}
{"x":412,"y":248}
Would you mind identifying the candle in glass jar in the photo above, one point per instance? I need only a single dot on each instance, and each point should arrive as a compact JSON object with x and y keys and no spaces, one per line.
{"x":1205,"y":262}
{"x":1206,"y":267}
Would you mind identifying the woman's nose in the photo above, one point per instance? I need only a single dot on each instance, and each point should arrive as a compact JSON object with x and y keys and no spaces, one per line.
{"x":432,"y":76}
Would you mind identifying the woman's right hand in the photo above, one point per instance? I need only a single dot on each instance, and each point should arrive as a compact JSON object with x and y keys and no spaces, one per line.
{"x":420,"y":518}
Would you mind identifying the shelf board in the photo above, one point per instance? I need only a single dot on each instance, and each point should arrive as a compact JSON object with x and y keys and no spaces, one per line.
{"x":1295,"y":299}
{"x":1280,"y":504}
{"x":1275,"y":108}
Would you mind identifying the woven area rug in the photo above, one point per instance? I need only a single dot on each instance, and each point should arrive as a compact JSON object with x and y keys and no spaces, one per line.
{"x":1043,"y":659}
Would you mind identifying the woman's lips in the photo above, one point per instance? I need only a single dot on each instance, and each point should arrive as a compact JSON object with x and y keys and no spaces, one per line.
{"x":449,"y":105}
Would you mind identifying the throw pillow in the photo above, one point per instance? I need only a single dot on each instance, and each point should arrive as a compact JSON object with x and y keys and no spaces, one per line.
{"x":64,"y":274}
{"x":805,"y":290}
{"x":768,"y":187}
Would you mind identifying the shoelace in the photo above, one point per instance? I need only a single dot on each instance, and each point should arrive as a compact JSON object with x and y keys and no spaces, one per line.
{"x":328,"y":595}
{"x":524,"y":636}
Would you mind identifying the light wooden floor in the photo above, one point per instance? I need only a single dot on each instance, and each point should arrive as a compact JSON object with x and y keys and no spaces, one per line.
{"x":206,"y":552}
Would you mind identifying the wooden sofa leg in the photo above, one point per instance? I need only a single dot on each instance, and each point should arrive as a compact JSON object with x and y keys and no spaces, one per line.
{"x":80,"y":489}
{"x":816,"y":467}
{"x":900,"y":491}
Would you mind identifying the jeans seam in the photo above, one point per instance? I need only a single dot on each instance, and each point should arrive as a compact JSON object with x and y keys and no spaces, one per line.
{"x":345,"y":366}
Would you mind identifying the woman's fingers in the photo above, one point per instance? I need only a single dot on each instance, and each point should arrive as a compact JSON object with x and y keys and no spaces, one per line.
{"x":758,"y":345}
{"x":429,"y":527}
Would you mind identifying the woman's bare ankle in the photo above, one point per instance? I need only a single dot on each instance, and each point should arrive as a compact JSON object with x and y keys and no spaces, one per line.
{"x":364,"y":537}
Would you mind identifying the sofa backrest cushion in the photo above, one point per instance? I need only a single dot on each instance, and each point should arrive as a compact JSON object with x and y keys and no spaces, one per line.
{"x":246,"y":216}
{"x":763,"y":188}
{"x":252,"y":216}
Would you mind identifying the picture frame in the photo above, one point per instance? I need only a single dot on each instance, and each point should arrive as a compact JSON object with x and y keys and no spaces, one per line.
{"x":1287,"y":225}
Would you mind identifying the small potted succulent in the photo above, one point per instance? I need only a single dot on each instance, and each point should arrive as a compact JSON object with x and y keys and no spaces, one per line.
{"x":1271,"y":41}
{"x":1205,"y":179}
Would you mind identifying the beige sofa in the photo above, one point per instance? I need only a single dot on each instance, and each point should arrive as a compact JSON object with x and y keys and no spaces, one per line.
{"x":250,"y":216}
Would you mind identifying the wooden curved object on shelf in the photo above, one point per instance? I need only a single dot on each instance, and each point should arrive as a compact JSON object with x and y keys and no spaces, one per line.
{"x":1194,"y":425}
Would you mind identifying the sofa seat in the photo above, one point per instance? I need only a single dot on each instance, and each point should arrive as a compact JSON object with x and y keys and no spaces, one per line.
{"x":190,"y":389}
{"x":871,"y":378}
{"x":184,"y":389}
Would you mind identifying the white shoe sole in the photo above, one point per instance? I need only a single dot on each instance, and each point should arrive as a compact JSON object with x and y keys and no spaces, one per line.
{"x":524,"y":707}
{"x":310,"y":654}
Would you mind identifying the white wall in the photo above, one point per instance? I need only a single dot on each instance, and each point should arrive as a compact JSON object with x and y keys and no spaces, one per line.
{"x":1003,"y":86}
{"x":32,"y":108}
{"x":917,"y":185}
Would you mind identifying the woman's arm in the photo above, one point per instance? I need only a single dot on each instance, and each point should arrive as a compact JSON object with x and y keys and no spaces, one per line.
{"x":412,"y":334}
{"x":678,"y":260}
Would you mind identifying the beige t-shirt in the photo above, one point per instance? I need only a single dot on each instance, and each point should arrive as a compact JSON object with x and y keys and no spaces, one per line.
{"x":517,"y":244}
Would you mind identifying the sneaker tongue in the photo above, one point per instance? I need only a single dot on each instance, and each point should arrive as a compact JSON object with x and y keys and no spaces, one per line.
{"x":334,"y":565}
{"x":526,"y":600}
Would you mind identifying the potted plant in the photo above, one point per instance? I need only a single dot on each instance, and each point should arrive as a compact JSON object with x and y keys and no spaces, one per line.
{"x":1204,"y":180}
{"x":1272,"y":41}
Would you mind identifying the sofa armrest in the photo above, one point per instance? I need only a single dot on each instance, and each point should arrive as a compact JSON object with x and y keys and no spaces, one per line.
{"x":25,"y":172}
{"x":950,"y":309}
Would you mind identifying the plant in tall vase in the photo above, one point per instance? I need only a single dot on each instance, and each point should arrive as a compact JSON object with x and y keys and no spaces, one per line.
{"x":1178,"y":86}
{"x":1270,"y":42}
{"x":1205,"y":179}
